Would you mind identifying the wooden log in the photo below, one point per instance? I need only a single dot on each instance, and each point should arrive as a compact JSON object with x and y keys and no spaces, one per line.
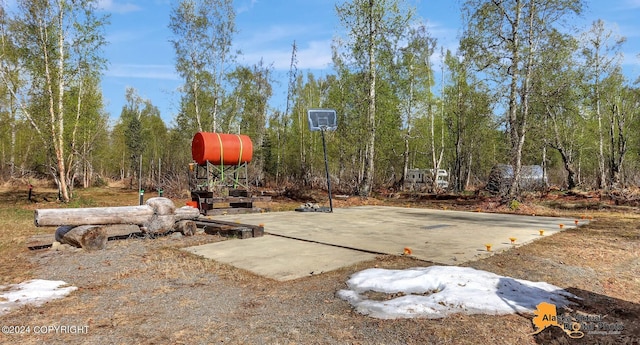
{"x":165,"y":215}
{"x":89,"y":237}
{"x":161,"y":206}
{"x":114,"y":232}
{"x":186,"y":227}
{"x":187,"y":212}
{"x":93,"y":215}
{"x":158,"y":224}
{"x":118,"y":231}
{"x":117,"y":215}
{"x":163,"y":222}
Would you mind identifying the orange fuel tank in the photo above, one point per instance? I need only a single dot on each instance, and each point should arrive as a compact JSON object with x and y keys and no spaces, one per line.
{"x":221,"y":148}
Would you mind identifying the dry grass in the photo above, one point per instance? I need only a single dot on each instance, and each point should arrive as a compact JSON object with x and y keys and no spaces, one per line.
{"x":17,"y":222}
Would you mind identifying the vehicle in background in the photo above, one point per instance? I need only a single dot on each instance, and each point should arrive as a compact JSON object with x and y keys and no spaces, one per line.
{"x":423,"y":178}
{"x":532,"y":178}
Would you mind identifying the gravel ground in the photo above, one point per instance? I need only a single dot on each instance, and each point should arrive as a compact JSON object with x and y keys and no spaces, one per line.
{"x":147,"y":291}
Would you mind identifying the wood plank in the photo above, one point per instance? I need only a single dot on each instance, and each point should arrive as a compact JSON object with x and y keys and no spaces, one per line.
{"x":40,"y":241}
{"x":239,"y":192}
{"x":239,"y":199}
{"x":232,"y":210}
{"x":227,"y":231}
{"x":216,"y":226}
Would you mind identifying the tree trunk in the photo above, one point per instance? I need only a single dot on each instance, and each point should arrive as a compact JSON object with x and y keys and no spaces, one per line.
{"x":112,"y":215}
{"x":89,"y":237}
{"x":59,"y":147}
{"x":94,"y":215}
{"x":513,"y":122}
{"x":196,"y":104}
{"x":367,"y":180}
{"x":405,"y":156}
{"x":601,"y":159}
{"x":458,"y":181}
{"x":12,"y":149}
{"x":619,"y":146}
{"x":568,"y":166}
{"x":405,"y":161}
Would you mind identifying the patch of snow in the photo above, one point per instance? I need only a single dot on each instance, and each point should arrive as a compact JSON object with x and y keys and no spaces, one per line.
{"x":438,"y":291}
{"x":35,"y":292}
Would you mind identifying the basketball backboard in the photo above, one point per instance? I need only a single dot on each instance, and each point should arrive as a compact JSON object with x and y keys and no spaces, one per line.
{"x":322,"y":119}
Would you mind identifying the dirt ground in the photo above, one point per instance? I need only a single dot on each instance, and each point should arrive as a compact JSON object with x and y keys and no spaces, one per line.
{"x":148,"y":291}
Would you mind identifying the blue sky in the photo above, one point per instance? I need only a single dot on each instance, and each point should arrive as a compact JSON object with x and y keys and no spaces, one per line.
{"x":140,"y":54}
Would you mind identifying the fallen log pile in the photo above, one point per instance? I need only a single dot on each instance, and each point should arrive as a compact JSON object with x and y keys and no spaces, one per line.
{"x":157,"y":216}
{"x":91,"y":228}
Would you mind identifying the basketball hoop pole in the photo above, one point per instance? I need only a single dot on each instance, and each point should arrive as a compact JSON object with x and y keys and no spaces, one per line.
{"x":323,"y":120}
{"x":326,"y":167}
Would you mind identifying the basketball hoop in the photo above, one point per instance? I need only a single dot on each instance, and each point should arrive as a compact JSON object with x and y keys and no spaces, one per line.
{"x":323,"y":120}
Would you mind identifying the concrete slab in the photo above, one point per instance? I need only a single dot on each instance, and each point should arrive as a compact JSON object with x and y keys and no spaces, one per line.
{"x":444,"y":237}
{"x":280,"y":258}
{"x":350,"y":235}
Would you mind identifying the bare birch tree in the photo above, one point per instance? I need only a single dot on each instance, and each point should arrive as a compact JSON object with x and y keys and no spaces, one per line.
{"x":59,"y":40}
{"x":203,"y":32}
{"x":503,"y":39}
{"x":372,"y":27}
{"x":602,"y":53}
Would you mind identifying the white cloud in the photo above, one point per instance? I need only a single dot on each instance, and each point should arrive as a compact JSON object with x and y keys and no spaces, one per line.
{"x":246,"y":7}
{"x":124,"y":36}
{"x":268,"y":35}
{"x":632,"y":4}
{"x":273,"y":44}
{"x":117,"y":7}
{"x":631,"y":61}
{"x":164,"y":72}
{"x":315,"y":55}
{"x":441,"y":31}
